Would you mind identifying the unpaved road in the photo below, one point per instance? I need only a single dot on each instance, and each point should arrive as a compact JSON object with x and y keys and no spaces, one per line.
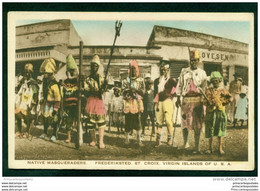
{"x":235,"y":147}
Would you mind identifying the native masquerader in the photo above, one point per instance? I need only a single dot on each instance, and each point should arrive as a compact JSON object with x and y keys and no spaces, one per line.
{"x":94,"y":87}
{"x":216,"y":118}
{"x":164,"y":106}
{"x":26,"y":101}
{"x":70,"y":95}
{"x":133,"y":89}
{"x":192,"y":82}
{"x":51,"y":98}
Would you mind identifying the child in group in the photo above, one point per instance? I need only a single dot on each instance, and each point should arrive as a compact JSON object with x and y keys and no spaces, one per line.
{"x":216,"y":118}
{"x":117,"y":109}
{"x":148,"y":106}
{"x":241,"y":108}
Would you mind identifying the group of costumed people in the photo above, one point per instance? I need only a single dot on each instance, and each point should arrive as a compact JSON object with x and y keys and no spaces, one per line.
{"x":200,"y":104}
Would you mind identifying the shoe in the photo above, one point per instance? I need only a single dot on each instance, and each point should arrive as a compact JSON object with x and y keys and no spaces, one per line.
{"x":196,"y":152}
{"x":53,"y":138}
{"x":18,"y":134}
{"x":43,"y":136}
{"x":186,"y":146}
{"x":158,"y":144}
{"x":26,"y":135}
{"x":208,"y":152}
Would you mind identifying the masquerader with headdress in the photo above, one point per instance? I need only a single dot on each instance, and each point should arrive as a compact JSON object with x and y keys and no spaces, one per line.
{"x":94,"y":87}
{"x":216,"y":118}
{"x":192,"y":82}
{"x":70,"y":95}
{"x":133,"y":89}
{"x":26,"y":100}
{"x":164,"y":107}
{"x":51,"y":98}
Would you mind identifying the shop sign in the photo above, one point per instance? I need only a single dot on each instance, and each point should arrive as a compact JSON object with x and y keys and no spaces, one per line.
{"x":214,"y":56}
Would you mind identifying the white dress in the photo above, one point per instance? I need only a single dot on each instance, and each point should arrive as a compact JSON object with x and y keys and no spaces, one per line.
{"x":241,"y":109}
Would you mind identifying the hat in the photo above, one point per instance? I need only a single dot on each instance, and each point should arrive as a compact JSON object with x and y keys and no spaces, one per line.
{"x":28,"y":67}
{"x":48,"y":66}
{"x":164,"y":64}
{"x":243,"y":90}
{"x":117,"y":83}
{"x":150,"y":81}
{"x":39,"y":78}
{"x":70,"y":63}
{"x":133,"y":63}
{"x":236,"y":74}
{"x":215,"y":74}
{"x":194,"y":54}
{"x":240,"y":79}
{"x":147,"y":75}
{"x":96,"y":60}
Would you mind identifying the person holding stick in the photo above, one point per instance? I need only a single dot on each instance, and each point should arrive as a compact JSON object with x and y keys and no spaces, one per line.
{"x":192,"y":82}
{"x":133,"y":90}
{"x":94,"y":87}
{"x":164,"y":106}
{"x":216,"y":118}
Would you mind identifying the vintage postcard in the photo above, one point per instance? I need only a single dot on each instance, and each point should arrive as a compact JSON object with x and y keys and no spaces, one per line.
{"x":131,"y":91}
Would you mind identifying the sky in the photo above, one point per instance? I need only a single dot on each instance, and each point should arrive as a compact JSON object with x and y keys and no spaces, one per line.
{"x":137,"y":33}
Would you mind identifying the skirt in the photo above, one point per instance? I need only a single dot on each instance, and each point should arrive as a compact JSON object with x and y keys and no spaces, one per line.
{"x":215,"y":124}
{"x":192,"y":113}
{"x":95,"y":110}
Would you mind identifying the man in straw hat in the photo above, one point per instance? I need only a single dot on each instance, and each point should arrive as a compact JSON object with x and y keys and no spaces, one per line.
{"x":192,"y":82}
{"x":51,"y":98}
{"x":26,"y":100}
{"x":70,"y":95}
{"x":235,"y":90}
{"x":94,"y":87}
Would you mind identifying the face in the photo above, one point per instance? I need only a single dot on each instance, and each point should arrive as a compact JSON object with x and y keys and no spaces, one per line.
{"x":116,"y":92}
{"x":94,"y":68}
{"x":46,"y":75}
{"x":72,"y":72}
{"x":215,"y":82}
{"x":242,"y":95}
{"x":27,"y":73}
{"x":164,"y":71}
{"x":147,"y":79}
{"x":194,"y":63}
{"x":133,"y":71}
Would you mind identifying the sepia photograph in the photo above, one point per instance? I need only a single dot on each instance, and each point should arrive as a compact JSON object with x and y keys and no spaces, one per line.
{"x":131,"y":91}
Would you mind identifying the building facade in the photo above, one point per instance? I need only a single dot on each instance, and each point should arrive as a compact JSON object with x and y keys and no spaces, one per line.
{"x":59,"y":38}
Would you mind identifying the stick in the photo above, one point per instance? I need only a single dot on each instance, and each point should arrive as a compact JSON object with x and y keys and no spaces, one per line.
{"x":80,"y":131}
{"x":175,"y":125}
{"x":118,"y":26}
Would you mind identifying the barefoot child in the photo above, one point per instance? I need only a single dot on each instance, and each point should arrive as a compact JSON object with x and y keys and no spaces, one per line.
{"x":216,"y":118}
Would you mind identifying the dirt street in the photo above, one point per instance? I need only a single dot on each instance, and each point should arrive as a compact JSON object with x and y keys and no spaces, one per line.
{"x":235,"y":147}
